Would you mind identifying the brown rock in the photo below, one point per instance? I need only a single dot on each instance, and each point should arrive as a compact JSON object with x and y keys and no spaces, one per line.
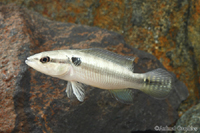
{"x":34,"y":102}
{"x":189,"y":121}
{"x":168,"y":29}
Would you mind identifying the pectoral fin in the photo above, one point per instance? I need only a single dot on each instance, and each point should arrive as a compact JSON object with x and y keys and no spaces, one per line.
{"x":75,"y":88}
{"x":123,"y":95}
{"x":69,"y":90}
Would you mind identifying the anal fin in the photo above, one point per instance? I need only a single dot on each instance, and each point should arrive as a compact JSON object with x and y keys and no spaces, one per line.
{"x":123,"y":95}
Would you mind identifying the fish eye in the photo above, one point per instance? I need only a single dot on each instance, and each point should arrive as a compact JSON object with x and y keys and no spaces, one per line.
{"x":45,"y":59}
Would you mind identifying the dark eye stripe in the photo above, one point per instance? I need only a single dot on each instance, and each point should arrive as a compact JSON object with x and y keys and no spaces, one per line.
{"x":64,"y":61}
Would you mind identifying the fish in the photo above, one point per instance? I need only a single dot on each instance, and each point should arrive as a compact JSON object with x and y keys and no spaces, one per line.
{"x":102,"y":69}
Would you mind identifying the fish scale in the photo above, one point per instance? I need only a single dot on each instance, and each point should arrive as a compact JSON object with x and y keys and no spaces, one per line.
{"x":105,"y":73}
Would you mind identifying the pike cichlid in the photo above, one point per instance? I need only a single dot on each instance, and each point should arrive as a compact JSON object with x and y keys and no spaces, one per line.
{"x":103,"y":69}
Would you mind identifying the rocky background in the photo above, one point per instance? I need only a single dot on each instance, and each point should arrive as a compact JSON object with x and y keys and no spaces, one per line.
{"x":167,"y":29}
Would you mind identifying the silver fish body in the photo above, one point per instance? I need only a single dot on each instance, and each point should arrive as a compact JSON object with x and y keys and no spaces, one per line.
{"x":103,"y":69}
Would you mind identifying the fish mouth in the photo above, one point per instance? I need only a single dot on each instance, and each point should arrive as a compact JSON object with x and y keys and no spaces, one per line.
{"x":29,"y":60}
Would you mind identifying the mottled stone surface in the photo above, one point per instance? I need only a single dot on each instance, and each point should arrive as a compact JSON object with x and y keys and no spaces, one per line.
{"x":190,"y":121}
{"x":12,"y":40}
{"x":34,"y":102}
{"x":168,"y":29}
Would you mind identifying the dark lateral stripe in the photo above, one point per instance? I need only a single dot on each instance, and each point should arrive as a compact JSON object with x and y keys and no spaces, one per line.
{"x":97,"y":69}
{"x":64,"y":61}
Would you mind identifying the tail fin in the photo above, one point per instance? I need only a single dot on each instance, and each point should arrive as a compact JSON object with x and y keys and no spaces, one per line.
{"x":158,"y":83}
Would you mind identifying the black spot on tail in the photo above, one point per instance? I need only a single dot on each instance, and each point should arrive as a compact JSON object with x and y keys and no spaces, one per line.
{"x":149,"y":81}
{"x":76,"y":61}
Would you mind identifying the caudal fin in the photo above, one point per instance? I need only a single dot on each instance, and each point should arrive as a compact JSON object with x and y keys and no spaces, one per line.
{"x":157,"y":83}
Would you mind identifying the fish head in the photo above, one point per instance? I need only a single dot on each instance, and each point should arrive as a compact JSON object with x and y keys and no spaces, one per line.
{"x":53,"y":63}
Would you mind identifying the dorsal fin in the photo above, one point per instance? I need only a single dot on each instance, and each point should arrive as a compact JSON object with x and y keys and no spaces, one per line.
{"x":111,"y":56}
